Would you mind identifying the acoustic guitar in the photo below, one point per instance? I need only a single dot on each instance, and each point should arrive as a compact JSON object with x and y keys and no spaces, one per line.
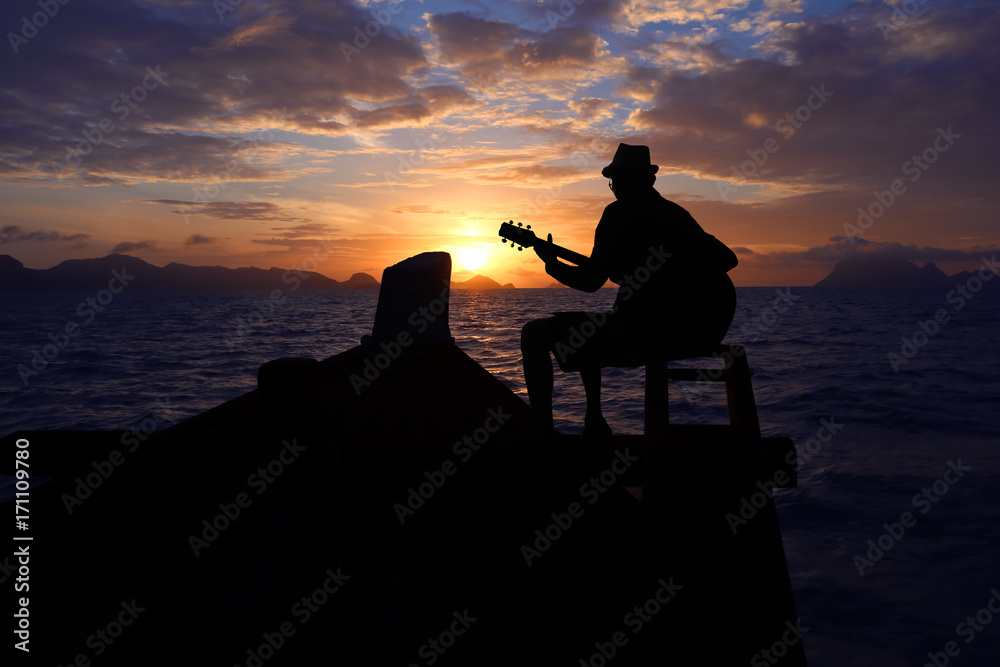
{"x":703,"y":306}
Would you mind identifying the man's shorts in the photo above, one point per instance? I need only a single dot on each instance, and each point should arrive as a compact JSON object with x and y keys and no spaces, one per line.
{"x":601,"y":339}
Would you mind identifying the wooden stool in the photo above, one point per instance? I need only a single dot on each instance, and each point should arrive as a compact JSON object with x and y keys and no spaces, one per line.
{"x":760,"y":456}
{"x":736,"y":374}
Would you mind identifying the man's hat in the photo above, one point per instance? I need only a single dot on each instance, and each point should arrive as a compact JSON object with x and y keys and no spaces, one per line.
{"x":630,"y":159}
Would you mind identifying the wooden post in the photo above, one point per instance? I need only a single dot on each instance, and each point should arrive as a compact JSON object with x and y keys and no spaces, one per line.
{"x":655,"y":460}
{"x":657,"y":405}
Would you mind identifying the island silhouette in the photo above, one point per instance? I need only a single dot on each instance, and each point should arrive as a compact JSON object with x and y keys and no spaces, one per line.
{"x":889,"y":273}
{"x":93,"y":274}
{"x":140,"y":275}
{"x":480,"y":282}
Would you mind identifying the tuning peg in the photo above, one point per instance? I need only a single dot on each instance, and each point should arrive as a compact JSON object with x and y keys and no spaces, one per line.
{"x":520,"y":249}
{"x":503,"y":240}
{"x":520,"y":224}
{"x":511,"y":244}
{"x":528,"y":227}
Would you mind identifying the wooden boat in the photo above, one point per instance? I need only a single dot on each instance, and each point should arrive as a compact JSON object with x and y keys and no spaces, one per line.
{"x":368,"y":509}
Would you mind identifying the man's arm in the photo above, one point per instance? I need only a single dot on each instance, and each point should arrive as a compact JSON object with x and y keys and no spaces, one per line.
{"x":588,"y":277}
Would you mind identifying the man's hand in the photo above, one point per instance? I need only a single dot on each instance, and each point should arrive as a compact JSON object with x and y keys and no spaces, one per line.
{"x":545,"y":251}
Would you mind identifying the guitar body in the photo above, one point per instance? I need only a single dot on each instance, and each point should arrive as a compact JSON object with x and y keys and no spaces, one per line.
{"x":710,"y":316}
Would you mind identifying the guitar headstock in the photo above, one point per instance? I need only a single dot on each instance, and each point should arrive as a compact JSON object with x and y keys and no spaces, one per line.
{"x":519,"y":236}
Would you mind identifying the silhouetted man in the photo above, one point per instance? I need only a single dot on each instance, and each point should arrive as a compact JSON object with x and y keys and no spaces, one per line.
{"x":674,"y":297}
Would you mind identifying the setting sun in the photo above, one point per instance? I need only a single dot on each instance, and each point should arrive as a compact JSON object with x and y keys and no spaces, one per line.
{"x":472,"y":259}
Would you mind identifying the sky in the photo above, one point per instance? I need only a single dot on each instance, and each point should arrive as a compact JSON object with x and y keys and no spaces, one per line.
{"x":343,"y":137}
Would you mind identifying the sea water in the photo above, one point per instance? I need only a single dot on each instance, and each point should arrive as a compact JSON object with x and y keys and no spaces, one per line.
{"x":891,"y":396}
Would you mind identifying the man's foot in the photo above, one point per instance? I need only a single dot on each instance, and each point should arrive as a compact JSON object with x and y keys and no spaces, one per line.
{"x":596,"y":429}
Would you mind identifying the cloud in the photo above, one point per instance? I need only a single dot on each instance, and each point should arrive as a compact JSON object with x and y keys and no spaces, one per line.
{"x":515,"y":168}
{"x":256,"y":69}
{"x":427,"y":103}
{"x":473,"y":42}
{"x":425,"y":209}
{"x":836,"y":105}
{"x":16,"y":233}
{"x":592,"y":109}
{"x":198,"y":239}
{"x":491,"y":52}
{"x":307,"y":237}
{"x":635,"y":14}
{"x":320,"y":245}
{"x":131,"y":246}
{"x":305,"y":230}
{"x":229,"y":210}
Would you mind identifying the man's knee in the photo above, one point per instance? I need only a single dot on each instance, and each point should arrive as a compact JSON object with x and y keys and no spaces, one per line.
{"x":529,"y":333}
{"x":535,"y":334}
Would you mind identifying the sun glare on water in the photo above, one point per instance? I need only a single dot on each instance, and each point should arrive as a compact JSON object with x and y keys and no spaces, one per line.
{"x":472,"y":259}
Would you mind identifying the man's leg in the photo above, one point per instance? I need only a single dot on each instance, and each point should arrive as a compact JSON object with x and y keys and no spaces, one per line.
{"x":591,"y":376}
{"x":594,"y":424}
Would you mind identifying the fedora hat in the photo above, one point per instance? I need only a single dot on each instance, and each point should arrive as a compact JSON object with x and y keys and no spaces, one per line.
{"x":630,"y":159}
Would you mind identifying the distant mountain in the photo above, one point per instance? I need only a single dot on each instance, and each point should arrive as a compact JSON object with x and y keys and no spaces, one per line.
{"x":8,"y":263}
{"x":480,"y":282}
{"x":870,"y":272}
{"x":359,"y":281}
{"x":560,"y":285}
{"x":96,"y":274}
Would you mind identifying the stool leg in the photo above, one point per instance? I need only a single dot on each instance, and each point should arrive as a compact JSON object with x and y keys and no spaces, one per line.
{"x":739,"y":393}
{"x":655,"y":488}
{"x":657,"y":408}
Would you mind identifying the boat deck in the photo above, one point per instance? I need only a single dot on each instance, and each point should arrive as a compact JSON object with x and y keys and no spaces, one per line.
{"x":309,"y":523}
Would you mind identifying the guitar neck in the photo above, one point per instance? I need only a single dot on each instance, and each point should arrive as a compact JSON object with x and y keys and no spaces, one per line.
{"x":564,"y":253}
{"x":527,"y":239}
